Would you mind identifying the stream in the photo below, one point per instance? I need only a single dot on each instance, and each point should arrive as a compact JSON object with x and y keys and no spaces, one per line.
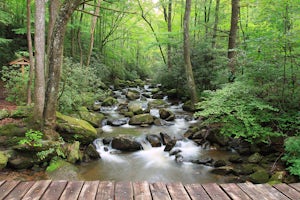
{"x":151,"y":164}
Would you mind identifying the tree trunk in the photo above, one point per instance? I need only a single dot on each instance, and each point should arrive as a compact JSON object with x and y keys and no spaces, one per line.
{"x":92,"y":32}
{"x":55,"y":61}
{"x":30,"y":49}
{"x":186,"y":54}
{"x":214,"y":36}
{"x":232,"y":38}
{"x":79,"y":37}
{"x":39,"y":41}
{"x":169,"y":36}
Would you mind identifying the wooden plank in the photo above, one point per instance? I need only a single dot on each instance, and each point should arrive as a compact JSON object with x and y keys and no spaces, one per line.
{"x":123,"y":190}
{"x":1,"y":182}
{"x":89,"y":190}
{"x":159,"y":191}
{"x":215,"y":192}
{"x":196,"y":192}
{"x":252,"y":191}
{"x":54,"y":190}
{"x":19,"y":191}
{"x":177,"y":191}
{"x":7,"y":187}
{"x":296,"y":186}
{"x":37,"y":190}
{"x":106,"y":190}
{"x":141,"y":191}
{"x":72,"y":190}
{"x":287,"y":191}
{"x":235,"y":192}
{"x":271,"y":193}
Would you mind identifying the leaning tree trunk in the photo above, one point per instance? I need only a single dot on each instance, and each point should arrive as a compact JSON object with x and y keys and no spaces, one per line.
{"x":186,"y":54}
{"x":39,"y":41}
{"x":55,"y":59}
{"x":30,"y":49}
{"x":232,"y":38}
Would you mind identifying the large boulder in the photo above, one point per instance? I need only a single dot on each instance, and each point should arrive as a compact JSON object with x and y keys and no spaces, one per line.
{"x":125,"y":143}
{"x":3,"y":160}
{"x":72,"y":129}
{"x":136,"y":108}
{"x":142,"y":119}
{"x":166,"y":114}
{"x":260,"y":176}
{"x":109,"y":101}
{"x":62,"y":170}
{"x":154,"y":140}
{"x":73,"y":152}
{"x":93,"y":118}
{"x":92,"y":152}
{"x":21,"y":161}
{"x":132,"y":95}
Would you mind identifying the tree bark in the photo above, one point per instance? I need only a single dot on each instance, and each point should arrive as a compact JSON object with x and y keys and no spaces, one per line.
{"x":232,"y":38}
{"x":30,"y":49}
{"x":55,"y":61}
{"x":169,"y":36}
{"x":39,"y":41}
{"x":214,"y":36}
{"x":186,"y":54}
{"x":92,"y":32}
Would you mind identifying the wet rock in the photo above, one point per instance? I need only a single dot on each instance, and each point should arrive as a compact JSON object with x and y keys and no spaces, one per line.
{"x":117,"y":122}
{"x":75,"y":129}
{"x":125,"y":143}
{"x":158,"y":95}
{"x":132,"y":95}
{"x":109,"y":101}
{"x":3,"y":160}
{"x":219,"y":163}
{"x":260,"y":176}
{"x":255,"y":158}
{"x":21,"y":162}
{"x":187,"y":106}
{"x":96,"y":106}
{"x":179,"y":158}
{"x":94,"y":119}
{"x":172,"y":94}
{"x":175,"y":152}
{"x":62,"y":170}
{"x":92,"y":152}
{"x":166,"y":114}
{"x":73,"y":152}
{"x":204,"y":161}
{"x":154,"y":140}
{"x":225,"y":170}
{"x":141,"y":119}
{"x":136,"y":108}
{"x":214,"y":136}
{"x":165,"y":138}
{"x":244,"y":169}
{"x":170,"y":145}
{"x":235,"y":159}
{"x":107,"y":140}
{"x":159,"y":122}
{"x":157,"y":103}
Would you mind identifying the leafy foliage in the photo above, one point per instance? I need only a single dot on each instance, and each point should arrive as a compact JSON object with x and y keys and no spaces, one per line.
{"x":32,"y":138}
{"x":15,"y":83}
{"x":240,"y":111}
{"x":292,"y":154}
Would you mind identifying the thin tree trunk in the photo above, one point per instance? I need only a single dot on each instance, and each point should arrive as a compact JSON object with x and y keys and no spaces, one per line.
{"x":170,"y":37}
{"x":214,"y":36}
{"x":30,"y":49}
{"x":79,"y":37}
{"x":186,"y":54}
{"x":55,"y":61}
{"x":232,"y":38}
{"x":39,"y":40}
{"x":92,"y":32}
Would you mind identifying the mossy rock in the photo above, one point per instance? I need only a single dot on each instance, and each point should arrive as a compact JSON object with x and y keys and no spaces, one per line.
{"x":109,"y":101}
{"x":74,"y":154}
{"x":255,"y":158}
{"x":172,"y":94}
{"x":260,"y":176}
{"x":132,"y":95}
{"x":157,"y":103}
{"x":3,"y":160}
{"x":72,"y":129}
{"x":141,"y":119}
{"x":22,"y":112}
{"x":4,"y":113}
{"x":136,"y":108}
{"x":94,"y":119}
{"x":12,"y":130}
{"x":62,"y":170}
{"x":278,"y":177}
{"x":187,"y":106}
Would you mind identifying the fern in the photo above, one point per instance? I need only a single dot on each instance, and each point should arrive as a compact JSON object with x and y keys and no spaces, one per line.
{"x":292,"y":154}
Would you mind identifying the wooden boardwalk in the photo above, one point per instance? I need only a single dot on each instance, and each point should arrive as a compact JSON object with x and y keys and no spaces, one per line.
{"x":105,"y":190}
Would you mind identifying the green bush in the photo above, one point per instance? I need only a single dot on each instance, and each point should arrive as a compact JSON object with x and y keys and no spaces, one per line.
{"x":240,"y":112}
{"x":292,"y":154}
{"x":32,"y":138}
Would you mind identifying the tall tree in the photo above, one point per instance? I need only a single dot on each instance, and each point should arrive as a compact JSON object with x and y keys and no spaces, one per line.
{"x":214,"y":35}
{"x":232,"y":38}
{"x":92,"y":32}
{"x":39,"y":41}
{"x":186,"y":54}
{"x":169,"y":31}
{"x":30,"y":49}
{"x":55,"y":61}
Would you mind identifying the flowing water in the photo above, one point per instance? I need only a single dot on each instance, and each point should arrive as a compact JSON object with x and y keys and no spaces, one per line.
{"x":152,"y":163}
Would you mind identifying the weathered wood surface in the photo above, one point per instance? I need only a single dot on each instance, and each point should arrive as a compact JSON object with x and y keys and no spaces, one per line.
{"x":142,"y":190}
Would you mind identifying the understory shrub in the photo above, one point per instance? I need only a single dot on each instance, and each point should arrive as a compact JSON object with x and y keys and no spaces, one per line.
{"x":292,"y":154}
